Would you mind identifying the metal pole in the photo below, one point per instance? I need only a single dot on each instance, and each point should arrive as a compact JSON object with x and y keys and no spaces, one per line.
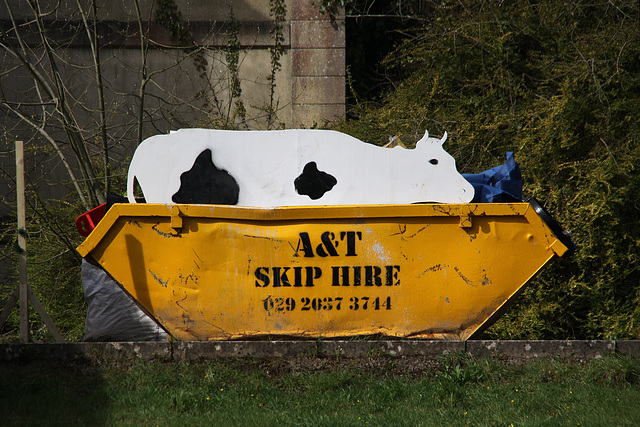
{"x":22,"y":244}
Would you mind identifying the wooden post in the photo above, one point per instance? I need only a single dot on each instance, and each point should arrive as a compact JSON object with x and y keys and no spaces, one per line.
{"x":23,"y":292}
{"x":22,"y":243}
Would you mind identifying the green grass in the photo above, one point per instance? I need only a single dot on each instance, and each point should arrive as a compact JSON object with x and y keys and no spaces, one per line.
{"x":455,"y":390}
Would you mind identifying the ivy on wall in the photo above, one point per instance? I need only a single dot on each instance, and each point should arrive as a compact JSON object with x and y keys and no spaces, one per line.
{"x":234,"y":111}
{"x":232,"y":55}
{"x":169,"y":16}
{"x":278,"y":12}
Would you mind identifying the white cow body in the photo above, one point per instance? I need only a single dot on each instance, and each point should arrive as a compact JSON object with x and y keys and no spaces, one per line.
{"x":265,"y":165}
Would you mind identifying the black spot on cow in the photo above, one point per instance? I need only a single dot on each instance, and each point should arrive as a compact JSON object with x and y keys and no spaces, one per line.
{"x":314,"y":183}
{"x":204,"y":183}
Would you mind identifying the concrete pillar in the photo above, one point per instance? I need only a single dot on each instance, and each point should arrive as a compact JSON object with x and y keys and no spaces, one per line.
{"x":318,"y":65}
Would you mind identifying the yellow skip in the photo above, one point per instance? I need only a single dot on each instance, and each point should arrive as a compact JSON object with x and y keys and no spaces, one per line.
{"x":209,"y":272}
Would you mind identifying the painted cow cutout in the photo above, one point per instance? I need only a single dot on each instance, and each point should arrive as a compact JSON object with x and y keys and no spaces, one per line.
{"x":292,"y":168}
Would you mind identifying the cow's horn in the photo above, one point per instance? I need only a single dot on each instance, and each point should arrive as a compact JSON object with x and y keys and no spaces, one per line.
{"x":423,"y":140}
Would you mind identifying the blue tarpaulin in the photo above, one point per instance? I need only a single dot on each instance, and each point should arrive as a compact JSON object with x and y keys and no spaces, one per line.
{"x":502,"y":184}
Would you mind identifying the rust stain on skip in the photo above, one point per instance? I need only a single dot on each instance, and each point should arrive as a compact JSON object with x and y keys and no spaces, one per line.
{"x":163,"y":283}
{"x":198,"y":257}
{"x":163,"y":234}
{"x":467,"y":281}
{"x":403,"y":230}
{"x":441,"y":267}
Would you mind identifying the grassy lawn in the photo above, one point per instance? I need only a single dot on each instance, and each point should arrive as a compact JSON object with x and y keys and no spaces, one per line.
{"x":454,"y":390}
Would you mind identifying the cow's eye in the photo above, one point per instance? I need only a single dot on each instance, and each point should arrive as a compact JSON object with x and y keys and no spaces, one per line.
{"x":433,"y":161}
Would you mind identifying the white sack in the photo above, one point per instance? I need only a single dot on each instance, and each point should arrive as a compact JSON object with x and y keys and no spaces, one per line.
{"x":111,"y":314}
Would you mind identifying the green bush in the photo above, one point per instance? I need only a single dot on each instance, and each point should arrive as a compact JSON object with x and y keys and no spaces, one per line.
{"x":557,"y":83}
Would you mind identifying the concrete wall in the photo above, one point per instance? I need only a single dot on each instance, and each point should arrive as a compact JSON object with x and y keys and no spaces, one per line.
{"x":318,"y":65}
{"x":310,"y":87}
{"x":183,"y":351}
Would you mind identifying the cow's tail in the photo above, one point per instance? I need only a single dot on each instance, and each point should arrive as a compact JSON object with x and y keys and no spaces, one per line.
{"x":130,"y":181}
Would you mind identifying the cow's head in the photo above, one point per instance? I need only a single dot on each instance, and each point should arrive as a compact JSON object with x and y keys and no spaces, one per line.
{"x":444,"y":182}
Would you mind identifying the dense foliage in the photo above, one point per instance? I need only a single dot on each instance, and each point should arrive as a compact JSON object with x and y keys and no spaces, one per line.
{"x":558,"y":83}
